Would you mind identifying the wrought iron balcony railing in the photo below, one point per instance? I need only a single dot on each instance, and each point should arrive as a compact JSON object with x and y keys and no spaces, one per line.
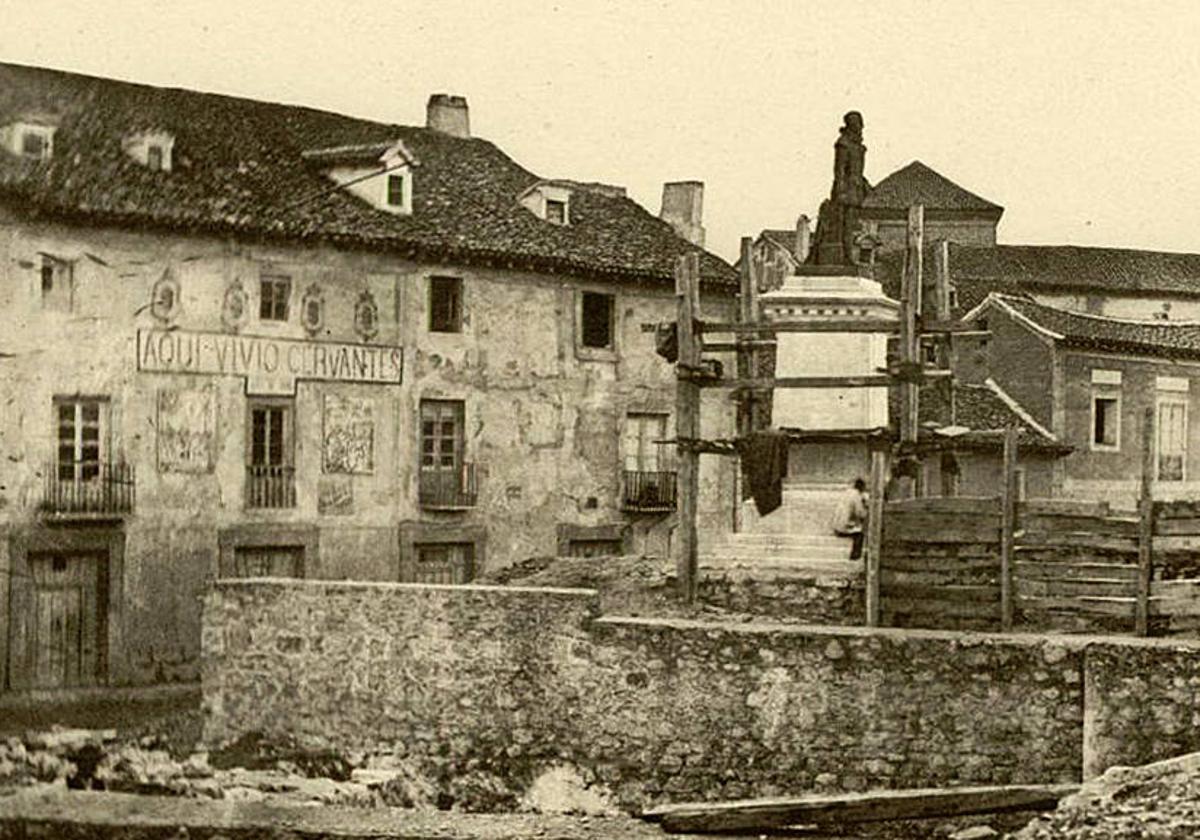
{"x":649,"y":491}
{"x":88,"y":490}
{"x":269,"y":487}
{"x":449,"y":489}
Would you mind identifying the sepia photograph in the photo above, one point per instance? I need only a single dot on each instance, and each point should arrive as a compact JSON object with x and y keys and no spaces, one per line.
{"x":537,"y":420}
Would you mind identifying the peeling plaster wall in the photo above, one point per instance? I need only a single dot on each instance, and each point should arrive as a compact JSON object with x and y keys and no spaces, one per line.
{"x":542,"y":420}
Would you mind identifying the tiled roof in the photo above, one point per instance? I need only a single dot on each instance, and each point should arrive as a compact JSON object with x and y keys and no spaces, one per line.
{"x":785,"y":239}
{"x":1164,"y":339}
{"x":982,"y":409}
{"x":238,"y":168}
{"x":918,"y":184}
{"x":1113,"y":270}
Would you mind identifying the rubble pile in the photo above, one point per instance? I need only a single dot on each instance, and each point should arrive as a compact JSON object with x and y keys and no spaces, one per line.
{"x":1159,"y":801}
{"x":281,"y":772}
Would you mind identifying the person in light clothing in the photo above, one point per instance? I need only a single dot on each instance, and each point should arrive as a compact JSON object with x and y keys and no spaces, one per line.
{"x":851,"y":517}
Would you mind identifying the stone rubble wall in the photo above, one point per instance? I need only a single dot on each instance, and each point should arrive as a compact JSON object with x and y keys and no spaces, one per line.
{"x":510,"y":681}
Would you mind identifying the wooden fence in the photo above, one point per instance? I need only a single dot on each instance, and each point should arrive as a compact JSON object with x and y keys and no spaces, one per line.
{"x":956,"y":563}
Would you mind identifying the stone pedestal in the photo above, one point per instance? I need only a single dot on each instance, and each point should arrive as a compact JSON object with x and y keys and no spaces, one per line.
{"x":818,"y":473}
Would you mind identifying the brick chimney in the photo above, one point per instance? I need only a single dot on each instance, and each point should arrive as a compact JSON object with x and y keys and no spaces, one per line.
{"x":448,"y":114}
{"x":683,"y":208}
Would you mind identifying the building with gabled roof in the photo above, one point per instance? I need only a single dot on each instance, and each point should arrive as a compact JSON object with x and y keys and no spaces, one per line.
{"x":250,"y":339}
{"x":1089,"y":379}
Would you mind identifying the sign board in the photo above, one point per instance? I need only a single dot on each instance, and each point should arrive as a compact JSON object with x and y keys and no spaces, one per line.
{"x":270,"y":365}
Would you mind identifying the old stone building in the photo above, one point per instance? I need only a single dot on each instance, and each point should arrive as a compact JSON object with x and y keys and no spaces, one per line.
{"x":253,"y":339}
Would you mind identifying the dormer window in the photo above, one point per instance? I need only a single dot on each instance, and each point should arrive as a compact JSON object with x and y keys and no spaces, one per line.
{"x":152,"y":149}
{"x":380,"y":174}
{"x":29,"y":140}
{"x":550,"y":201}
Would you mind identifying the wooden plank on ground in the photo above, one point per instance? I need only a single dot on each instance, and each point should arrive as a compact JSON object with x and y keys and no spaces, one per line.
{"x":1101,"y":526}
{"x":875,"y":806}
{"x":946,"y":504}
{"x":1080,"y":541}
{"x":1174,"y":588}
{"x":945,"y":552}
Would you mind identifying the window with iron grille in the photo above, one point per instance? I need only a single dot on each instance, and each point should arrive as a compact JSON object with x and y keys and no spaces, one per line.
{"x":82,"y":437}
{"x":274,"y":292}
{"x":269,"y":455}
{"x":445,"y":304}
{"x":268,"y":561}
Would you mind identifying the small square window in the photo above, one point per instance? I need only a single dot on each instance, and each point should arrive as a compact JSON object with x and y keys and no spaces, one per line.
{"x":596,"y":320}
{"x":33,"y":144}
{"x":274,"y":292}
{"x":395,"y":190}
{"x":445,"y":304}
{"x":556,"y":211}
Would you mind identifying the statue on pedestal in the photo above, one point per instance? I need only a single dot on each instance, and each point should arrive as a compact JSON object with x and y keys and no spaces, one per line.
{"x":837,"y":221}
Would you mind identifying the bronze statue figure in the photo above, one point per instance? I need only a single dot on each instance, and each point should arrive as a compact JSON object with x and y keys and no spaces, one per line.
{"x":837,"y":221}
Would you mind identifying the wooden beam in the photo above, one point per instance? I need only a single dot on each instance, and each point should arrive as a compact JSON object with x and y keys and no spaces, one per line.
{"x":874,"y":546}
{"x":738,"y":346}
{"x":1145,"y":527}
{"x":910,"y":343}
{"x":687,"y":421}
{"x":1008,"y":527}
{"x":921,"y":803}
{"x":822,"y":326}
{"x":881,"y":380}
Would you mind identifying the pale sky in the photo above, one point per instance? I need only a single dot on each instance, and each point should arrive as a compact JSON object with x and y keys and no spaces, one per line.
{"x":1080,"y":118}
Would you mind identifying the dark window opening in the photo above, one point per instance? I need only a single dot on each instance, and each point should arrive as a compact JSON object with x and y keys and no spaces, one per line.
{"x":33,"y":144}
{"x":395,"y":190}
{"x":445,"y":304}
{"x":441,"y":434}
{"x":154,"y":158}
{"x":597,"y":320}
{"x":269,"y":460}
{"x":274,"y":291}
{"x":1105,"y":421}
{"x":58,"y":283}
{"x":595,"y":548}
{"x":556,"y":211}
{"x":268,"y":561}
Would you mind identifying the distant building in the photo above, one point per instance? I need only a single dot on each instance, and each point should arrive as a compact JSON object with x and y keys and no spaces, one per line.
{"x":251,"y":339}
{"x":951,"y":212}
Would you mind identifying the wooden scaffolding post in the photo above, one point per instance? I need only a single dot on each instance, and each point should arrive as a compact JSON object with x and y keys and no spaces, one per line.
{"x":1145,"y":527}
{"x":875,"y":533}
{"x":1008,"y":527}
{"x":687,"y":419}
{"x":910,"y":339}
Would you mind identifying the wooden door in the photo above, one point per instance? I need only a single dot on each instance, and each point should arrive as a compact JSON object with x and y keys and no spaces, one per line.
{"x":56,"y":623}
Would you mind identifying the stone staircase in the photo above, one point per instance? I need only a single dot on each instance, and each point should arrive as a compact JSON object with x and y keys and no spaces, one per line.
{"x":795,"y":539}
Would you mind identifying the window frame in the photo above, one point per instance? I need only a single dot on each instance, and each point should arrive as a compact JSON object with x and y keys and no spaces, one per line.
{"x":393,"y":181}
{"x":442,"y":285}
{"x":1172,"y":400}
{"x":60,"y":296}
{"x":564,"y":218}
{"x":1107,"y":394}
{"x":274,"y":281}
{"x":78,"y":465}
{"x":607,"y":350}
{"x":288,"y":430}
{"x":458,"y":411}
{"x":647,"y":451}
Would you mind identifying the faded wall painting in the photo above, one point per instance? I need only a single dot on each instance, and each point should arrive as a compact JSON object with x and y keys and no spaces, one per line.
{"x":187,"y":430}
{"x":349,"y":445}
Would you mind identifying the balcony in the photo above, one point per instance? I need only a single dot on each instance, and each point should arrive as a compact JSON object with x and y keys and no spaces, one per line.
{"x":648,"y":492}
{"x":449,"y":489}
{"x":270,"y":487}
{"x":93,"y":491}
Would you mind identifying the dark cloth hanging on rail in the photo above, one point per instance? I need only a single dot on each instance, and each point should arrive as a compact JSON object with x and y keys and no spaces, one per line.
{"x":764,"y":465}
